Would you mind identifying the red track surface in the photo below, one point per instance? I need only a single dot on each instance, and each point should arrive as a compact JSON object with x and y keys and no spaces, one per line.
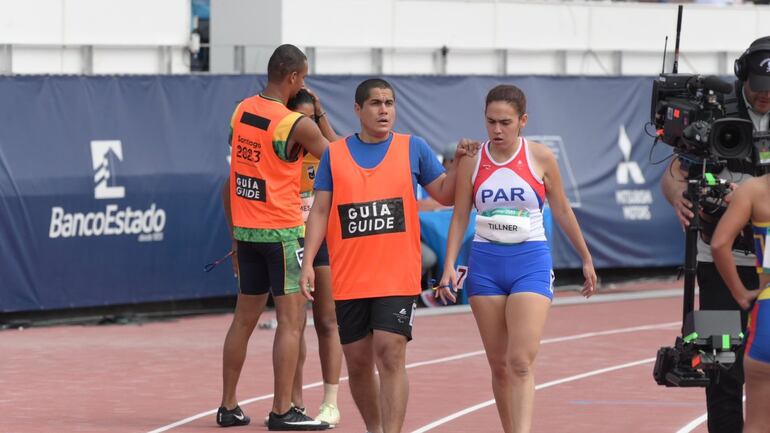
{"x":142,"y":378}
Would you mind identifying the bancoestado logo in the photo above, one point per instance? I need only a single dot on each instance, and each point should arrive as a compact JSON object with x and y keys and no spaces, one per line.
{"x":148,"y":223}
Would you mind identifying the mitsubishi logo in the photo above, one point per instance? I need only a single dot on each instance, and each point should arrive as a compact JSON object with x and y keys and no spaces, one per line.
{"x":627,"y":170}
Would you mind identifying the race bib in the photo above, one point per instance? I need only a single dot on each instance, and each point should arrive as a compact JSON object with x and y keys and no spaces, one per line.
{"x":503,"y":226}
{"x":307,"y":203}
{"x":462,"y":272}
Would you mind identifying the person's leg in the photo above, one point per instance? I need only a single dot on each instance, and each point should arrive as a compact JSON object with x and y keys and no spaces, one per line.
{"x":364,"y":386}
{"x":489,"y":312}
{"x":525,"y":316}
{"x":296,"y":390}
{"x":253,"y":285}
{"x":329,"y":348}
{"x":390,"y":358}
{"x":392,"y":319}
{"x":757,"y":396}
{"x":290,"y":310}
{"x":354,"y":320}
{"x":247,"y":312}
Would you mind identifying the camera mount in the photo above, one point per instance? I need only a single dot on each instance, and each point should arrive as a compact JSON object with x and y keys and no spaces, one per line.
{"x":709,"y":337}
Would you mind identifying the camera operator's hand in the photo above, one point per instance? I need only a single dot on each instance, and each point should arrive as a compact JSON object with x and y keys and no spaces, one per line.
{"x":729,"y":196}
{"x":674,"y":185}
{"x":683,"y":210}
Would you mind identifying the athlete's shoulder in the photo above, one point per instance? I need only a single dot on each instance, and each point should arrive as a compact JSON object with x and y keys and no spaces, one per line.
{"x":755,"y":186}
{"x":541,"y":152}
{"x":539,"y":149}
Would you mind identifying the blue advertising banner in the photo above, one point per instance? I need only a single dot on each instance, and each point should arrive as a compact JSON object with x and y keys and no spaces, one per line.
{"x":110,"y":186}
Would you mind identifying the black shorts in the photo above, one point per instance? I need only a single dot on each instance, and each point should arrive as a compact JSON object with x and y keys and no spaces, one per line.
{"x":269,"y":266}
{"x":322,"y":256}
{"x":358,"y":318}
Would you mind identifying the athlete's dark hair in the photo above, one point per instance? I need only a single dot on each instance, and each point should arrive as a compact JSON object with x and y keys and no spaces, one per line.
{"x":510,"y":94}
{"x":363,"y":89}
{"x":302,"y":97}
{"x":285,"y":59}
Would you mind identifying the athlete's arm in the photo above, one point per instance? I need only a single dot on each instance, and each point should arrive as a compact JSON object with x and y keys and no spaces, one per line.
{"x":732,"y":222}
{"x":322,"y":119}
{"x":307,"y":135}
{"x":562,"y":212}
{"x":315,"y":231}
{"x":463,"y":202}
{"x":673,"y":185}
{"x":443,"y":188}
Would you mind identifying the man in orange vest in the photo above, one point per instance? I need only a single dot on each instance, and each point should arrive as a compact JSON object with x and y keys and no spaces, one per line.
{"x":365,"y":205}
{"x":263,"y":209}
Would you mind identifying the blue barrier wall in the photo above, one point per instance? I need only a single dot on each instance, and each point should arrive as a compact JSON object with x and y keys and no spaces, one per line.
{"x":109,"y":186}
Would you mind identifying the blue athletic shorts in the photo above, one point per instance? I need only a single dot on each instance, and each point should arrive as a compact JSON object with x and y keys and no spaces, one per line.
{"x":495,"y":269}
{"x":758,"y":345}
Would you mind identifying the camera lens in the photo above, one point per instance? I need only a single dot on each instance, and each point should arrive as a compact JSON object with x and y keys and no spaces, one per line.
{"x":731,"y":138}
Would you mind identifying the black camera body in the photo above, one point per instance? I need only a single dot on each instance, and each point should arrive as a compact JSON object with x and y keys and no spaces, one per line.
{"x":689,"y":115}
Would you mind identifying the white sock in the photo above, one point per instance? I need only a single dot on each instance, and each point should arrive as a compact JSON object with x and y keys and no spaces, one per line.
{"x":330,"y":393}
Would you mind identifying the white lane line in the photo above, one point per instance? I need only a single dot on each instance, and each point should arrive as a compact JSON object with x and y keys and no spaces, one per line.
{"x":474,"y":408}
{"x":693,"y":424}
{"x":431,"y":362}
{"x":696,"y":422}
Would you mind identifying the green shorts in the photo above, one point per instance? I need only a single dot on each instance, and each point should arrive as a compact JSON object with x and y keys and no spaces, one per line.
{"x":269,"y":266}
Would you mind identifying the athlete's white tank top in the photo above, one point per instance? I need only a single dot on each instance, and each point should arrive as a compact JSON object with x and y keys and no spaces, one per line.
{"x":512,"y":184}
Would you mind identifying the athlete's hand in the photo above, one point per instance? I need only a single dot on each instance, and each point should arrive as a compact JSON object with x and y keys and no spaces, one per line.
{"x":444,"y":289}
{"x":467,"y":147}
{"x":307,"y":282}
{"x":589,"y":286}
{"x":316,"y":102}
{"x":747,"y":297}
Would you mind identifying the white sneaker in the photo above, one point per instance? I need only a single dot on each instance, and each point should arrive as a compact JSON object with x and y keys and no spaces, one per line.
{"x":329,"y":414}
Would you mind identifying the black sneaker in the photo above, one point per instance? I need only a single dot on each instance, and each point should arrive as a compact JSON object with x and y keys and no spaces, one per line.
{"x":294,"y":420}
{"x":229,"y":418}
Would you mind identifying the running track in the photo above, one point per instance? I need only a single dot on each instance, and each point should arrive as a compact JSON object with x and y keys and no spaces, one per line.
{"x":593,"y":375}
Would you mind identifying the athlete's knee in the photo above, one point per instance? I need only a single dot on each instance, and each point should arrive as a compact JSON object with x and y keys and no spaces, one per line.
{"x":390,"y":356}
{"x":520,"y":365}
{"x":290,"y":314}
{"x":499,"y":368}
{"x":244,"y":322}
{"x":326,"y":326}
{"x":359,"y":364}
